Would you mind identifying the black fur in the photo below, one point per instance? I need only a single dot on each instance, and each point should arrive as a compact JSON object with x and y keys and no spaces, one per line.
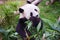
{"x":35,"y":21}
{"x":38,"y":3}
{"x":21,"y":26}
{"x":29,"y":2}
{"x":35,"y":10}
{"x":21,"y":10}
{"x":31,"y":14}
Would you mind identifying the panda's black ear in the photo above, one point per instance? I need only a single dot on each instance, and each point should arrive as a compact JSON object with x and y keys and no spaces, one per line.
{"x":29,"y":1}
{"x":21,"y":10}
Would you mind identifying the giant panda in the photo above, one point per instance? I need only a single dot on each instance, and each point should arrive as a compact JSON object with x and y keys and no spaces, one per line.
{"x":29,"y":11}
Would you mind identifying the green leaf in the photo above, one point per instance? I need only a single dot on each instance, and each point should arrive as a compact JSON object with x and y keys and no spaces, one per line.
{"x":2,"y":30}
{"x":38,"y":27}
{"x":29,"y":25}
{"x":14,"y":34}
{"x":47,"y":34}
{"x":9,"y":30}
{"x":53,"y":26}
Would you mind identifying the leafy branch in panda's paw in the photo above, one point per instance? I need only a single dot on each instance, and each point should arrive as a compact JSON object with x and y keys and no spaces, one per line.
{"x":29,"y":24}
{"x":36,"y":30}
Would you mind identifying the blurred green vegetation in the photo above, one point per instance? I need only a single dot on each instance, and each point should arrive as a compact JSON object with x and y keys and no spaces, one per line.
{"x":49,"y":14}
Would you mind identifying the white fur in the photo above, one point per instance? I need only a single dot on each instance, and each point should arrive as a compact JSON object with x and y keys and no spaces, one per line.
{"x":28,"y":8}
{"x":36,"y":1}
{"x":30,"y":0}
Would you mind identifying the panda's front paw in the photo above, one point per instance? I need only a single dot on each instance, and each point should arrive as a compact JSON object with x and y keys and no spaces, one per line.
{"x":34,"y":20}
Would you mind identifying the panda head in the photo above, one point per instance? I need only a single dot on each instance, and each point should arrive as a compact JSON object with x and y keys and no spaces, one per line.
{"x":29,"y":9}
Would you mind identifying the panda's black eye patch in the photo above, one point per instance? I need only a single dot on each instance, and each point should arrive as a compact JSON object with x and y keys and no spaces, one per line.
{"x":31,"y":14}
{"x":21,"y":10}
{"x":35,"y":10}
{"x":29,"y":2}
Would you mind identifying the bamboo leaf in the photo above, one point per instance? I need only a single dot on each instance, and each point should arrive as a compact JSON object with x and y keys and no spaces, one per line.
{"x":29,"y":25}
{"x":38,"y":27}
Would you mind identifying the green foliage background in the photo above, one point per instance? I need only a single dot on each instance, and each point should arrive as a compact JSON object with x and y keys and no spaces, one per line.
{"x":49,"y":14}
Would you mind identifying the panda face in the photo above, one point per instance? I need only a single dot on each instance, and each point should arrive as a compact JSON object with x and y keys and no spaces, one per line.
{"x":28,"y":10}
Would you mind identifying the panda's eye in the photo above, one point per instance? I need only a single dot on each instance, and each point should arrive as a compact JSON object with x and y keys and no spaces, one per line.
{"x":35,"y":10}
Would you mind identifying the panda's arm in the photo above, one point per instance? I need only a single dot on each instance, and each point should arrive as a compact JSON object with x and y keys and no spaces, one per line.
{"x":35,"y":22}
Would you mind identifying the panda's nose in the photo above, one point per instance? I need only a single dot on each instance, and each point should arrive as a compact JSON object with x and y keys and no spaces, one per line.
{"x":21,"y":10}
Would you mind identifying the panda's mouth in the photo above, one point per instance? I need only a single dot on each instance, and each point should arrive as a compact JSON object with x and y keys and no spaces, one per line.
{"x":35,"y":20}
